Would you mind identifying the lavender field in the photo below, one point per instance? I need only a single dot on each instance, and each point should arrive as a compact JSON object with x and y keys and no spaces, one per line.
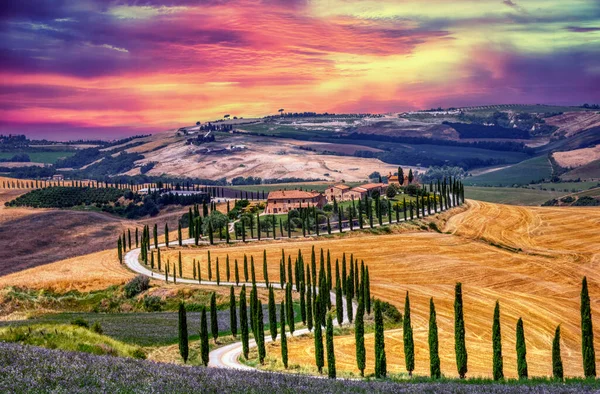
{"x":28,"y":369}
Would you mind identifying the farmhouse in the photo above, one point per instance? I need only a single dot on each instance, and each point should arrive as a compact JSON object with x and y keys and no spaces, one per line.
{"x":366,"y":190}
{"x":338,"y":193}
{"x":282,"y":201}
{"x":393,"y":180}
{"x":58,"y":177}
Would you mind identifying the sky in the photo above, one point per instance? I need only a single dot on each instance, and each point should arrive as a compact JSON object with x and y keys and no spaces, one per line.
{"x":103,"y":69}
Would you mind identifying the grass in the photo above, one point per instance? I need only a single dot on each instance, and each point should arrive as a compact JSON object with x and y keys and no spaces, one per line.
{"x":68,"y":337}
{"x":40,"y":157}
{"x":522,"y":173}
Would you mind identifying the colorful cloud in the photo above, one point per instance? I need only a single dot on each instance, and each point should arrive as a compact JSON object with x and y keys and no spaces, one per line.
{"x":119,"y":67}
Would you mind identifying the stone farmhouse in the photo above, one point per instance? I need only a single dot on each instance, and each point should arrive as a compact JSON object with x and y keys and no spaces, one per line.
{"x":283,"y":201}
{"x":339,"y":192}
{"x":393,"y":180}
{"x":366,"y":190}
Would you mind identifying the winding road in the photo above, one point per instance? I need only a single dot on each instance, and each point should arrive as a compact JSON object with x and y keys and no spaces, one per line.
{"x":228,"y":356}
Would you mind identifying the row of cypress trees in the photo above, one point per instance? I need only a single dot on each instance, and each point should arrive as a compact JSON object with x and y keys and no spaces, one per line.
{"x":588,"y":351}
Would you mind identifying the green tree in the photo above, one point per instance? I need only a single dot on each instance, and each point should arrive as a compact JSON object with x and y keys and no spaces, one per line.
{"x":204,"y":338}
{"x":179,"y":237}
{"x":303,"y":302}
{"x":359,"y":338}
{"x":400,"y":176}
{"x":284,"y":348}
{"x":367,"y":291}
{"x":409,"y":344}
{"x":557,"y":365}
{"x":218,"y":269}
{"x":265,"y":271}
{"x":380,"y":358}
{"x":214,"y":321}
{"x":120,"y":250}
{"x":319,"y":356}
{"x":331,"y":372}
{"x":245,"y":269}
{"x":460,"y":347}
{"x":349,"y":308}
{"x":434,"y":355}
{"x":272,"y":314}
{"x":587,"y":333}
{"x":290,"y":305}
{"x":410,"y":176}
{"x":244,"y":322}
{"x":232,"y":312}
{"x":498,"y":371}
{"x":309,"y":306}
{"x":237,"y":273}
{"x":183,"y":333}
{"x":209,"y":267}
{"x":260,"y":330}
{"x":166,"y":235}
{"x":227,"y":268}
{"x":339,"y":304}
{"x":521,"y":351}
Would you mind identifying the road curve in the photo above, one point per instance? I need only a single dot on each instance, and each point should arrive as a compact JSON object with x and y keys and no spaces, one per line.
{"x":228,"y":356}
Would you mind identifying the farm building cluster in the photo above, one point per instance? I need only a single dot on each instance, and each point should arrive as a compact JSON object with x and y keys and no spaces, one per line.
{"x":283,"y":201}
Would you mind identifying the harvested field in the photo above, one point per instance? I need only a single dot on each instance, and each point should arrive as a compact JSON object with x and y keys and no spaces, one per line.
{"x":577,"y":157}
{"x":540,"y":283}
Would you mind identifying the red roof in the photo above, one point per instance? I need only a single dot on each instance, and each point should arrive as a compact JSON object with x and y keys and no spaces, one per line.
{"x":289,"y":194}
{"x":341,"y":186}
{"x":369,"y":186}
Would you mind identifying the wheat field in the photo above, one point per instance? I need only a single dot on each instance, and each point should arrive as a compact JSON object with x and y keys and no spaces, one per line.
{"x":530,"y":259}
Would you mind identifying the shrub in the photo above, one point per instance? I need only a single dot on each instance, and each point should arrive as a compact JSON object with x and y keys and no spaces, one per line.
{"x":97,"y":328}
{"x":137,"y":285}
{"x":80,"y":322}
{"x":390,"y":312}
{"x":152,"y":303}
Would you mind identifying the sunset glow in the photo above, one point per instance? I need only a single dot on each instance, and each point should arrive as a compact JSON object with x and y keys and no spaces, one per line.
{"x":95,"y":68}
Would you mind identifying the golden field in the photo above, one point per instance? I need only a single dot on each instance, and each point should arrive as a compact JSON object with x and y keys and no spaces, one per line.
{"x":534,"y":269}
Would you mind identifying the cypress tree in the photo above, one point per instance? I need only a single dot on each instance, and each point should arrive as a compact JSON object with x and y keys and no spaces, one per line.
{"x":129,"y":237}
{"x":289,"y":269}
{"x":260,"y":329}
{"x":459,"y":333}
{"x":265,"y":272}
{"x":303,"y":302}
{"x":214,"y":322}
{"x":359,"y":338}
{"x":244,"y":322}
{"x":209,"y":267}
{"x":199,"y":272}
{"x":284,"y":349}
{"x":498,"y":372}
{"x":557,"y":365}
{"x":232,"y":312}
{"x":309,"y":306}
{"x":380,"y":358}
{"x":180,"y":265}
{"x":190,"y":223}
{"x":252,"y":271}
{"x":339,"y":304}
{"x":245,"y":269}
{"x":179,"y":237}
{"x":218,"y":272}
{"x":166,"y":235}
{"x":319,"y":356}
{"x":227,"y":269}
{"x":174,"y":272}
{"x":210,"y":232}
{"x":194,"y":269}
{"x":204,"y":338}
{"x":434,"y":356}
{"x":344,"y":290}
{"x":331,"y":372}
{"x":349,"y":309}
{"x":329,"y":279}
{"x":587,"y":333}
{"x":183,"y":333}
{"x":409,"y":344}
{"x":367,"y":291}
{"x":120,"y":250}
{"x":521,"y":351}
{"x":290,"y":305}
{"x":155,"y":236}
{"x":272,"y":314}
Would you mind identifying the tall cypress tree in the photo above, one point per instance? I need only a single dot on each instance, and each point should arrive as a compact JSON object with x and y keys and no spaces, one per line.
{"x":272,"y":314}
{"x":204,"y":338}
{"x":245,"y":268}
{"x":244,"y":322}
{"x":265,"y":272}
{"x":349,"y":309}
{"x":232,"y":312}
{"x":409,"y":344}
{"x":557,"y":365}
{"x":587,"y":333}
{"x":167,"y":235}
{"x":367,"y":291}
{"x":339,"y":304}
{"x":498,"y":371}
{"x":434,"y":355}
{"x":521,"y":351}
{"x":380,"y":358}
{"x":227,"y":268}
{"x":218,"y":272}
{"x":209,"y":267}
{"x":460,"y":347}
{"x":284,"y":349}
{"x":319,"y":356}
{"x":214,"y":322}
{"x":329,"y":279}
{"x":290,"y":306}
{"x":331,"y":371}
{"x":237,"y":273}
{"x":252,"y":271}
{"x":303,"y":302}
{"x":179,"y":236}
{"x":183,"y":333}
{"x":260,"y":330}
{"x":359,"y":338}
{"x":309,"y":306}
